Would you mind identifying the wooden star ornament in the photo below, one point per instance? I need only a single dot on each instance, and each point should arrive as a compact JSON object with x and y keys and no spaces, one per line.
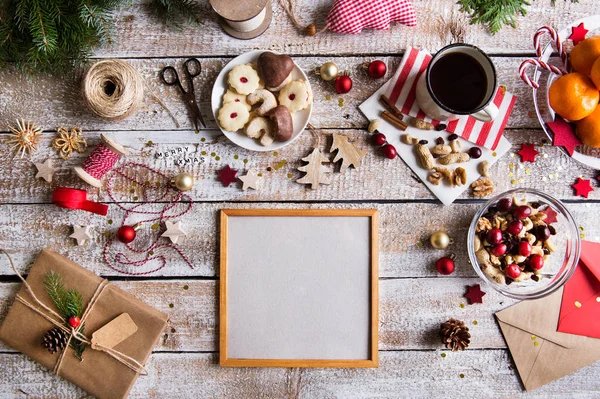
{"x":173,"y":231}
{"x":564,"y":135}
{"x":582,"y":187}
{"x":578,"y":34}
{"x":81,"y":234}
{"x":45,"y":170}
{"x":346,"y":151}
{"x":250,"y":180}
{"x":528,"y":153}
{"x":474,"y":294}
{"x":227,"y":176}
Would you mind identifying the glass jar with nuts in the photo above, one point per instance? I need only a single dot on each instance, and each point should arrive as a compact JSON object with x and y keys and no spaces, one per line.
{"x":524,"y":243}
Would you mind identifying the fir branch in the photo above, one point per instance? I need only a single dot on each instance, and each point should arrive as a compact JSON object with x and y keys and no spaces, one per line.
{"x":74,"y":303}
{"x":176,"y":13}
{"x":57,"y":292}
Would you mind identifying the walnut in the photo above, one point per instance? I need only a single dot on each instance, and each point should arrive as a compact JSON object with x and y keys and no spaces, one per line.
{"x":483,"y":224}
{"x":460,"y":177}
{"x":482,"y":187}
{"x":435,"y":177}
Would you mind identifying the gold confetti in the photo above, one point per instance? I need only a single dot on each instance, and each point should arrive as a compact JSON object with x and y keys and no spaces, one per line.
{"x":581,"y":228}
{"x":186,"y":287}
{"x":577,"y":304}
{"x":475,"y":322}
{"x":157,"y":184}
{"x":110,"y":221}
{"x":289,"y":175}
{"x":462,"y":305}
{"x":512,"y":155}
{"x":419,"y":244}
{"x":280,"y":165}
{"x":133,"y":183}
{"x":151,"y":252}
{"x":461,"y":375}
{"x":527,"y":171}
{"x":328,"y":97}
{"x":275,"y":153}
{"x":203,"y":139}
{"x":106,"y":234}
{"x":135,"y":198}
{"x":511,"y":166}
{"x":154,"y":226}
{"x":171,"y":305}
{"x":533,"y":337}
{"x":132,"y":191}
{"x":510,"y":174}
{"x":203,"y":153}
{"x":494,"y":154}
{"x":536,"y":343}
{"x":520,"y":180}
{"x":149,"y":143}
{"x":259,"y":174}
{"x":245,"y":161}
{"x":236,"y":156}
{"x":443,"y":355}
{"x":217,"y":158}
{"x":212,"y":154}
{"x":582,"y":235}
{"x":556,"y":175}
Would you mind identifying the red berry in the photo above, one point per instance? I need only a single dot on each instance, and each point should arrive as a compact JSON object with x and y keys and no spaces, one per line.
{"x":536,"y":262}
{"x":542,"y":233}
{"x":504,"y":205}
{"x":74,"y":321}
{"x":379,"y":139}
{"x":343,"y":84}
{"x":512,"y":271}
{"x":389,"y":151}
{"x":126,"y":234}
{"x":515,"y":227}
{"x":445,"y":265}
{"x":524,"y":248}
{"x":494,"y":236}
{"x":377,"y":69}
{"x":522,"y":212}
{"x":499,"y":250}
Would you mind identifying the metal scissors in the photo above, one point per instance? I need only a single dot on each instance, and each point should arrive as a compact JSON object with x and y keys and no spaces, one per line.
{"x":170,"y":77}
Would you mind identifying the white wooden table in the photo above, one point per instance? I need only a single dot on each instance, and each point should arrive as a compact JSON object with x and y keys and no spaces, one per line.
{"x":414,"y":297}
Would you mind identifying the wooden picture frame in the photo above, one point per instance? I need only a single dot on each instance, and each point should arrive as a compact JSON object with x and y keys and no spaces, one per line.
{"x":365,"y":219}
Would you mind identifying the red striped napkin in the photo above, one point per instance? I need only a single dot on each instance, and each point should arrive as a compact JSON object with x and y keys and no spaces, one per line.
{"x":402,"y":88}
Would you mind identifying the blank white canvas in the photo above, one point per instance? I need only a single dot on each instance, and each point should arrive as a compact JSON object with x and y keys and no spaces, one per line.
{"x":298,"y":287}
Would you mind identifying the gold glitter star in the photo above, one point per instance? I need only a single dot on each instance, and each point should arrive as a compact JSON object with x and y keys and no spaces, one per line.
{"x":66,"y":142}
{"x":25,"y":137}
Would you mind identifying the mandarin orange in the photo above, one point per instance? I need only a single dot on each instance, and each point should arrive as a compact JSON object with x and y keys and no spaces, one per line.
{"x":595,"y":73}
{"x":584,"y":55}
{"x":573,"y":96}
{"x":588,"y":129}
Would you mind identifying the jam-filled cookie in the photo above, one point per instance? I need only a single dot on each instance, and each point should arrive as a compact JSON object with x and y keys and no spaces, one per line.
{"x":243,"y":79}
{"x":233,"y":116}
{"x":232,"y":96}
{"x":295,"y":96}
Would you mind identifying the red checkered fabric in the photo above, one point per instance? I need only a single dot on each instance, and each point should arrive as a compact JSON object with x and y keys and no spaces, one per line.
{"x":352,"y":16}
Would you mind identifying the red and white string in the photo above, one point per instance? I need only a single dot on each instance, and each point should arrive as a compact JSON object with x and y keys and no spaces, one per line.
{"x":101,"y":160}
{"x":169,"y":200}
{"x":557,"y":45}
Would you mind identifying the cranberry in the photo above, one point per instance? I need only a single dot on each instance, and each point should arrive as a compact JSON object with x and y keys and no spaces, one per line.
{"x":243,"y":80}
{"x":389,"y":151}
{"x":542,"y":233}
{"x":445,"y":265}
{"x":512,"y":271}
{"x":233,"y":115}
{"x":379,"y":139}
{"x":524,"y":248}
{"x":522,"y":212}
{"x":504,"y":204}
{"x":499,"y":250}
{"x":475,"y":152}
{"x":536,"y":262}
{"x":292,"y":96}
{"x":515,"y":227}
{"x":494,"y":236}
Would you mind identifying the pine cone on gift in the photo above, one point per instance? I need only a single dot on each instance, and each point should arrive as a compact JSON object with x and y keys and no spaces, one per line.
{"x":455,"y":335}
{"x":55,"y":340}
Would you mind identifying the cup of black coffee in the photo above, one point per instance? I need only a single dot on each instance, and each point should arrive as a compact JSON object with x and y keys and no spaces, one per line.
{"x":460,"y":80}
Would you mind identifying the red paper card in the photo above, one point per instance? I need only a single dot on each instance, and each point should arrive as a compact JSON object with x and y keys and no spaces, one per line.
{"x":580,"y":308}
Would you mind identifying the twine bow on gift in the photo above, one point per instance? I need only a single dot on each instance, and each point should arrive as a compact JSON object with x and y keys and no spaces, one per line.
{"x":57,"y":320}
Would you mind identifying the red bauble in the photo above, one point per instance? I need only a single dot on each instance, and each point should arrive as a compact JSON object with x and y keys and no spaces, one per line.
{"x":343,"y":84}
{"x":536,"y":262}
{"x":126,"y":234}
{"x":377,"y":69}
{"x":74,"y":321}
{"x":494,"y":236}
{"x":512,"y":271}
{"x":524,"y":248}
{"x":389,"y":151}
{"x":445,"y":265}
{"x":379,"y":139}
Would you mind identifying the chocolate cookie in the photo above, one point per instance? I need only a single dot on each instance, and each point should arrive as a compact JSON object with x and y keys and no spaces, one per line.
{"x":274,"y":68}
{"x":282,"y":123}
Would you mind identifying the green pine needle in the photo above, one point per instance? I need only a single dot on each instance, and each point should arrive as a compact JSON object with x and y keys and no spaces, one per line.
{"x":177,"y":13}
{"x":494,"y":14}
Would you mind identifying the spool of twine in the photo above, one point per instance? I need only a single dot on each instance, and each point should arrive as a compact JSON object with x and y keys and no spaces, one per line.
{"x":101,"y":160}
{"x":113,"y":89}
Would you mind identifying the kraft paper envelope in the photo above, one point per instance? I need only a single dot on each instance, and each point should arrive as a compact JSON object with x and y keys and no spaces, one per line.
{"x":556,"y":354}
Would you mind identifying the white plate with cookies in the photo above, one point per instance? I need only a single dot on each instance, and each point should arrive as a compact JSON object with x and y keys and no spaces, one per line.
{"x":254,"y":100}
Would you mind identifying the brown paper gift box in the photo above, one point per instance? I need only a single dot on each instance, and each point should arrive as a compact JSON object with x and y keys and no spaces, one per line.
{"x":98,"y":374}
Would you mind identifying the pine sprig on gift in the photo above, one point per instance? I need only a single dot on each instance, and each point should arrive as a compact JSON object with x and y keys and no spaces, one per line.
{"x":495,"y":13}
{"x":176,"y":13}
{"x":69,"y":304}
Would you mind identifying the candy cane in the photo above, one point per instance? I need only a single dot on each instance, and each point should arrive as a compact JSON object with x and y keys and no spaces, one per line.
{"x":541,"y":64}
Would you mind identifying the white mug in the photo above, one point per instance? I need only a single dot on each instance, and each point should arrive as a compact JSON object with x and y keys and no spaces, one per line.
{"x":427,"y":101}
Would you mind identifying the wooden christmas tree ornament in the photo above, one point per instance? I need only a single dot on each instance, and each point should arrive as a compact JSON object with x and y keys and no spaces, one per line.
{"x":315,"y":172}
{"x":347,"y":152}
{"x":243,"y":19}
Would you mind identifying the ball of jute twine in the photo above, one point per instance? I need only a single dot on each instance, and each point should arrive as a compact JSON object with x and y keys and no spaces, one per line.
{"x":113,"y":89}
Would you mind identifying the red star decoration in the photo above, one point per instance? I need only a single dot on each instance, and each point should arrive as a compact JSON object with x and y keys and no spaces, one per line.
{"x":550,"y":215}
{"x":474,"y":294}
{"x":564,"y":135}
{"x":527,"y":153}
{"x":582,"y":187}
{"x":578,"y":34}
{"x":227,"y":176}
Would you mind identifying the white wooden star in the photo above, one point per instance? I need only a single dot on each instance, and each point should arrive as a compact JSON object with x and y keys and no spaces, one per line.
{"x":81,"y":234}
{"x":250,"y":180}
{"x":173,"y":231}
{"x":45,"y":170}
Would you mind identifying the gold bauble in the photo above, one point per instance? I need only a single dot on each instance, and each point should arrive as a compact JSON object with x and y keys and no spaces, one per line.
{"x":439,"y":240}
{"x":183,"y":182}
{"x":328,"y":71}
